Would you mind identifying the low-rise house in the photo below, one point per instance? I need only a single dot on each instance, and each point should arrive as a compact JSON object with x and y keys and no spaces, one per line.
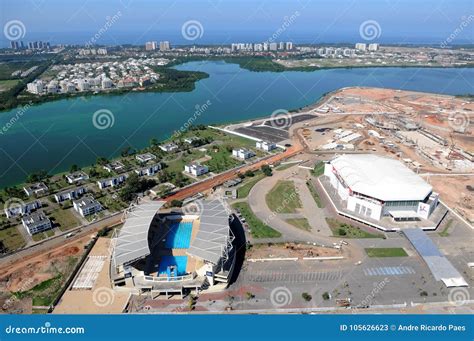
{"x":37,"y":189}
{"x":265,"y":145}
{"x":191,"y":139}
{"x":149,"y":170}
{"x":36,"y":222}
{"x":69,"y":194}
{"x":21,"y":209}
{"x":112,"y":182}
{"x":242,"y":154}
{"x":145,"y":157}
{"x":87,"y":206}
{"x":76,"y":177}
{"x":196,"y":169}
{"x":169,"y":147}
{"x":115,"y":166}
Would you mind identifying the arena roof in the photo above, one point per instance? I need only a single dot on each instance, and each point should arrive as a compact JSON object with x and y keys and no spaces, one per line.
{"x":132,"y":241}
{"x":380,"y":177}
{"x":213,"y":235}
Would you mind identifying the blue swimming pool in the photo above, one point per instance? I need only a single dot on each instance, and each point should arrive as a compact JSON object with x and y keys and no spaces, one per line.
{"x":179,"y":235}
{"x":180,"y":261}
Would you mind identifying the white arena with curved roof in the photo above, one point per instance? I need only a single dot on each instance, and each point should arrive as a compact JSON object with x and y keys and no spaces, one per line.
{"x":375,"y":187}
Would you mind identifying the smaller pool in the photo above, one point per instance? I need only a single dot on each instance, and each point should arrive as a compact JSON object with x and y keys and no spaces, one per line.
{"x":180,"y":261}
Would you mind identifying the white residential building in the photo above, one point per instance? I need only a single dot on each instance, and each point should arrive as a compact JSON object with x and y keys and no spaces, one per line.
{"x":242,"y":154}
{"x":373,"y":47}
{"x":36,"y":87}
{"x":149,"y":170}
{"x":22,"y":209}
{"x":36,"y":222}
{"x":360,"y":46}
{"x":87,"y":206}
{"x":115,"y":166}
{"x":169,"y":147}
{"x":112,"y":182}
{"x":76,"y":177}
{"x":145,"y":157}
{"x":266,"y":146}
{"x":69,"y":194}
{"x":196,"y":169}
{"x":37,"y":189}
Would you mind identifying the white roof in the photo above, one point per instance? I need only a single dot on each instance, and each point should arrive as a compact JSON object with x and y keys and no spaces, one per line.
{"x":380,"y":177}
{"x":132,"y":241}
{"x":213,"y":235}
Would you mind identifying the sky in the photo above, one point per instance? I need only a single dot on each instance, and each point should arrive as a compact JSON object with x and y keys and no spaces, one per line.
{"x":222,"y":22}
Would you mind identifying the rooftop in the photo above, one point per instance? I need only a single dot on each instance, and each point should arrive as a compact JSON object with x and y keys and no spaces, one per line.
{"x":380,"y":177}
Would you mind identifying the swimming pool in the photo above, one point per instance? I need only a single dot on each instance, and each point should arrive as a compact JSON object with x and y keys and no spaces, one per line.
{"x":179,"y":235}
{"x":180,"y":261}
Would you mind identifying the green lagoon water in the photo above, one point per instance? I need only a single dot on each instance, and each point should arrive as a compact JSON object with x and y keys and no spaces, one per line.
{"x":55,"y":135}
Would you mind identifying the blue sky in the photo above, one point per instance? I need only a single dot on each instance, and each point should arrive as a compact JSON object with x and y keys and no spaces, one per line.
{"x":316,"y":21}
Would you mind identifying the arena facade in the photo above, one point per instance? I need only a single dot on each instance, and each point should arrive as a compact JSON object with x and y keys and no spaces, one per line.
{"x":375,"y":187}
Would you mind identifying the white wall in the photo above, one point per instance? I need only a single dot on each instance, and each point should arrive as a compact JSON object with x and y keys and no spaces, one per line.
{"x":376,"y":209}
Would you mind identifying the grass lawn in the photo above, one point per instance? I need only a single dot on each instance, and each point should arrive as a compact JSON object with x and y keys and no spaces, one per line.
{"x":348,"y":231}
{"x":221,"y":161}
{"x":445,"y":231}
{"x":43,"y":235}
{"x":8,"y":84}
{"x":315,"y":194}
{"x":12,"y":238}
{"x":301,"y":223}
{"x":65,"y":219}
{"x":257,"y":227}
{"x":386,"y":252}
{"x":283,"y":198}
{"x":244,"y":190}
{"x":318,"y":169}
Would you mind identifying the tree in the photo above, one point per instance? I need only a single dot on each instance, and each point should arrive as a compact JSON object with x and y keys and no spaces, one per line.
{"x":176,"y":203}
{"x":102,"y":161}
{"x":267,"y":170}
{"x":307,"y":297}
{"x":326,"y":296}
{"x":153,"y":142}
{"x":249,"y":173}
{"x":74,"y":168}
{"x":134,"y":185}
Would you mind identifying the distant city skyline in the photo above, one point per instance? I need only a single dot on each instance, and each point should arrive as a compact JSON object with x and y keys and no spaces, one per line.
{"x":219,"y":22}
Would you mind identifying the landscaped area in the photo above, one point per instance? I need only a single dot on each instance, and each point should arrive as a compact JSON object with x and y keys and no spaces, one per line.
{"x":283,"y":197}
{"x":258,"y":229}
{"x":314,"y":194}
{"x":301,"y":223}
{"x":244,"y":190}
{"x":11,"y":238}
{"x":386,"y":252}
{"x":345,"y":230}
{"x":318,"y":169}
